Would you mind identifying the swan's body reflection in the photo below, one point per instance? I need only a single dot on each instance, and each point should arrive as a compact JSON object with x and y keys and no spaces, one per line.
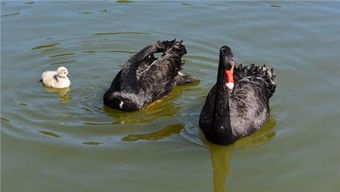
{"x":220,"y":163}
{"x":220,"y":155}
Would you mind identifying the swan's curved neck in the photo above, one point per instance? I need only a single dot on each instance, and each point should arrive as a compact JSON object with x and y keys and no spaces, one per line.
{"x":221,"y":129}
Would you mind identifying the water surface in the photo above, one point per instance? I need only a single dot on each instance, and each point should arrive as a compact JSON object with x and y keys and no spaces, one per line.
{"x":68,"y":141}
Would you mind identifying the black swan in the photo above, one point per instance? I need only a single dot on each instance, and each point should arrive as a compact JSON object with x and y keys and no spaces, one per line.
{"x":145,"y":78}
{"x":238,"y":104}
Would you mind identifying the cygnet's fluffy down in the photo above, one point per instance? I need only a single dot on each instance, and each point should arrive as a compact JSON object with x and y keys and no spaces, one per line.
{"x":56,"y":79}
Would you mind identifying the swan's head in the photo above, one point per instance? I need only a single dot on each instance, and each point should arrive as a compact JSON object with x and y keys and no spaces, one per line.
{"x":228,"y":64}
{"x":62,"y":72}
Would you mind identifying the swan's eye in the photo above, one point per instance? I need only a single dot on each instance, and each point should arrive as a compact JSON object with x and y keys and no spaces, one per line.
{"x":228,"y":66}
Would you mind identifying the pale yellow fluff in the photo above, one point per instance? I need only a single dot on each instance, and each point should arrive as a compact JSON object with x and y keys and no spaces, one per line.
{"x":56,"y":79}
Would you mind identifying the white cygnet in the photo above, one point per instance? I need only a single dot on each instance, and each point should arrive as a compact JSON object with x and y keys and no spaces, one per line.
{"x":56,"y":79}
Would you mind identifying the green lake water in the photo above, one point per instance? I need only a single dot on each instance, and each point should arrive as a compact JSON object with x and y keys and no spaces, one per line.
{"x":68,"y":141}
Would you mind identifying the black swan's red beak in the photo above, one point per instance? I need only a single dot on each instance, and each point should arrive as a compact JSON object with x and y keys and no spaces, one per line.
{"x":227,"y":61}
{"x":229,"y":77}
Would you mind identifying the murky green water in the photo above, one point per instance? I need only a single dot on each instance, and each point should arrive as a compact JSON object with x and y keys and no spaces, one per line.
{"x":67,"y":140}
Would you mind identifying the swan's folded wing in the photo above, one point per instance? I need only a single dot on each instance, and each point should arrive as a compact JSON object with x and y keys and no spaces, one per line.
{"x":248,"y":107}
{"x":139,"y":62}
{"x":158,"y":78}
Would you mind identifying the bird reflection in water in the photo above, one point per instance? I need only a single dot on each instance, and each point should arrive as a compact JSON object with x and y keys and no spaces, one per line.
{"x":63,"y":96}
{"x":220,"y":155}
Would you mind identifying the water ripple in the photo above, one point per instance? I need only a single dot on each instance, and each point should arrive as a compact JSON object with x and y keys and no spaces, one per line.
{"x":121,"y":33}
{"x":11,"y":14}
{"x":63,"y":54}
{"x":45,"y":46}
{"x":49,"y":133}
